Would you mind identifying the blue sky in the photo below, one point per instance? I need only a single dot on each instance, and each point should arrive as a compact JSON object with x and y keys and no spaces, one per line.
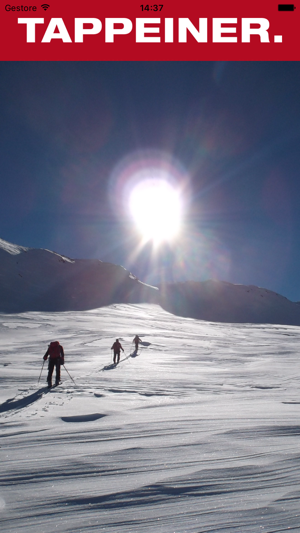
{"x":72,"y":132}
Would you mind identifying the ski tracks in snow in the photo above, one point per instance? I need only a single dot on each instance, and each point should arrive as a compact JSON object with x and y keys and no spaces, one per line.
{"x":198,"y":434}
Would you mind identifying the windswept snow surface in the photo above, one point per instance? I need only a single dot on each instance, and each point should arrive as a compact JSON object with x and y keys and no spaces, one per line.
{"x":199,"y":432}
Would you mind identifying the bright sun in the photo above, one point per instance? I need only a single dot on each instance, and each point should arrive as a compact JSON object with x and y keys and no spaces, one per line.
{"x":155,"y":207}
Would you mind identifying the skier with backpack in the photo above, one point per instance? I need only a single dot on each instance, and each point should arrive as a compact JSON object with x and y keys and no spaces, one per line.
{"x":116,"y":347}
{"x":136,"y":341}
{"x":56,"y":358}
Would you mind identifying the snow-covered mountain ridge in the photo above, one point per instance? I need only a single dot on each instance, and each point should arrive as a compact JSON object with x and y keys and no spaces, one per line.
{"x":220,"y":301}
{"x":42,"y":280}
{"x":13,"y":249}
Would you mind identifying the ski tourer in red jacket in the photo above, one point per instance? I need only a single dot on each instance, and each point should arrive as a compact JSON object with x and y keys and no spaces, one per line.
{"x":116,"y":347}
{"x":56,"y":358}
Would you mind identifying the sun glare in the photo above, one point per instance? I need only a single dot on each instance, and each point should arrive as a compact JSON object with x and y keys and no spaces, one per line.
{"x":155,"y":207}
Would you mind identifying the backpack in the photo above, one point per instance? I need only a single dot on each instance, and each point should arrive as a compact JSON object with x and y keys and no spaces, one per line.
{"x":54,"y":350}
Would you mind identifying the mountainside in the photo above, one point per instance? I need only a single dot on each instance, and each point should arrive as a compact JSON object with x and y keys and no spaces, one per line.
{"x":42,"y":280}
{"x":220,"y":301}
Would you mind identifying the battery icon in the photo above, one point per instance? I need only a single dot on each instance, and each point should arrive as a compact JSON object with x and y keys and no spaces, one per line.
{"x":286,"y":7}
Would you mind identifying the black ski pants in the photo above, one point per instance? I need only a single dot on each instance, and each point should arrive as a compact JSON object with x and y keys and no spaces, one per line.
{"x":53,"y":363}
{"x":116,"y":357}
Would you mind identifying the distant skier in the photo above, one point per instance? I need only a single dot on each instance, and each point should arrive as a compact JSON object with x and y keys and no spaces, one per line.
{"x":56,"y":358}
{"x":116,"y":347}
{"x":136,"y":341}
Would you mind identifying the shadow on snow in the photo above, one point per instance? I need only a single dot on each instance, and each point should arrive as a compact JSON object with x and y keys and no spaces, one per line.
{"x":114,"y":365}
{"x":23,"y":402}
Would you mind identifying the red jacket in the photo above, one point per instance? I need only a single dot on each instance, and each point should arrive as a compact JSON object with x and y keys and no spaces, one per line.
{"x":55,"y":351}
{"x":116,"y":347}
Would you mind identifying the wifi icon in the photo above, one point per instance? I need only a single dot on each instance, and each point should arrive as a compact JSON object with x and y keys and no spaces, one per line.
{"x":45,"y":6}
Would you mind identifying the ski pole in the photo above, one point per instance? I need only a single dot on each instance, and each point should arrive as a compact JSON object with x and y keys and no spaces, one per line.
{"x":126,"y":356}
{"x":41,"y":371}
{"x":69,"y":374}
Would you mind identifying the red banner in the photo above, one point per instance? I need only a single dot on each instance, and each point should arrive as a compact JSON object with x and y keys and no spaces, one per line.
{"x":172,"y":30}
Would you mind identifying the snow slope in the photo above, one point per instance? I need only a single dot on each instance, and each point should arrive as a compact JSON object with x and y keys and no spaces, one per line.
{"x":198,"y":433}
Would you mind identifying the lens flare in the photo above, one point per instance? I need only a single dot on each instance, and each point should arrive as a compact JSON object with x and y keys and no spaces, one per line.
{"x":150,"y":189}
{"x":155,"y":207}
